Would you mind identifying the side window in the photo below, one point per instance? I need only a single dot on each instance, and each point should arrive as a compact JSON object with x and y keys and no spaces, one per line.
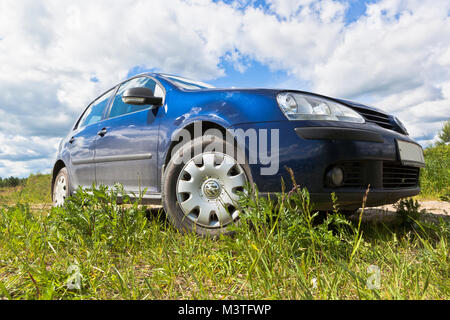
{"x":119,"y":108}
{"x":95,"y":111}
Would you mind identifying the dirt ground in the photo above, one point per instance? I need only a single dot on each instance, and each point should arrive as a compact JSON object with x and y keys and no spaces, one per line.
{"x":387,"y":214}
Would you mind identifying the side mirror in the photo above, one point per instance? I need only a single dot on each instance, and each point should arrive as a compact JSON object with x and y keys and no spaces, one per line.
{"x":141,"y":96}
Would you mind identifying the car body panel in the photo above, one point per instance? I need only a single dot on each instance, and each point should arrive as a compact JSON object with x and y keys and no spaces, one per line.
{"x":81,"y":154}
{"x":127,"y":153}
{"x":310,"y":159}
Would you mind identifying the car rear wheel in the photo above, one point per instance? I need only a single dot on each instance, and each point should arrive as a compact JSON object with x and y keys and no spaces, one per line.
{"x":60,"y":188}
{"x":201,"y":194}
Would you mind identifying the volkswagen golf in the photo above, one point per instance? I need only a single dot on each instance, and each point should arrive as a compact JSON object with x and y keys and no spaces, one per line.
{"x":194,"y":148}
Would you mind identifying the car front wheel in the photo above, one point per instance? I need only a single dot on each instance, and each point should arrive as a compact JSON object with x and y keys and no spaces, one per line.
{"x":201,"y":194}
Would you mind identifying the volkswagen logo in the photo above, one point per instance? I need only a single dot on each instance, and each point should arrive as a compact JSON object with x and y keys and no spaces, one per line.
{"x":211,"y":189}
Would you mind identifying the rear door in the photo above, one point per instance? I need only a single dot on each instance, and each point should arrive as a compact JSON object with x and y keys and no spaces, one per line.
{"x":83,"y":140}
{"x":127,"y":151}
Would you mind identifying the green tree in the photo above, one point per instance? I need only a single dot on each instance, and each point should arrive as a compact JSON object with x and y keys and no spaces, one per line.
{"x":445,"y":133}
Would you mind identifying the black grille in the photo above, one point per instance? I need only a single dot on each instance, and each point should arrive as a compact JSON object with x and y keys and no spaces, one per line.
{"x":396,"y":176}
{"x":352,"y":174}
{"x":375,"y":117}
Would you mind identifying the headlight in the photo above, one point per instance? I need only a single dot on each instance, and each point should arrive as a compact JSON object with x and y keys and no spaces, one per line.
{"x":401,"y":125}
{"x":298,"y":106}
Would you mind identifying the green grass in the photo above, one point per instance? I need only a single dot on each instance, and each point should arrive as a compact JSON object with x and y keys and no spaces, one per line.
{"x":277,"y":252}
{"x":36,"y":190}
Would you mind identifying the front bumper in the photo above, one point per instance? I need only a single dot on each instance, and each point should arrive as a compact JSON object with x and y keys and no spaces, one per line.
{"x":367,"y":152}
{"x":354,"y":199}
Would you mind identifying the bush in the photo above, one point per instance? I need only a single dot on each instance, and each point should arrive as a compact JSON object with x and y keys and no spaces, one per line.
{"x":436,"y":175}
{"x":409,"y":212}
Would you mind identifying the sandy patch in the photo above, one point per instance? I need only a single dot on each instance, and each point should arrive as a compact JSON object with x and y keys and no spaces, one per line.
{"x":387,"y":214}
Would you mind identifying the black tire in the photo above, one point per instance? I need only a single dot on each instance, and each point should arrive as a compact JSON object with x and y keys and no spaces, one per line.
{"x":170,"y":202}
{"x":56,"y":197}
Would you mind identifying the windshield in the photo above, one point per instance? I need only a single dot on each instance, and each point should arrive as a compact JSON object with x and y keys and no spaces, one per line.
{"x":187,"y":83}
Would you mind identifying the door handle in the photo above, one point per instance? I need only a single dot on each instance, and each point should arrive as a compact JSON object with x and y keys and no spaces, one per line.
{"x":103,"y":132}
{"x":72,"y":140}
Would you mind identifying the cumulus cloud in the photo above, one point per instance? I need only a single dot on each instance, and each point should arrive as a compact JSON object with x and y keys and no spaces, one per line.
{"x":51,"y":50}
{"x":55,"y":56}
{"x":397,"y":55}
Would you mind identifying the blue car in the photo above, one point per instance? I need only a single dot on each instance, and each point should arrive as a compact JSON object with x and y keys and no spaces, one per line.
{"x":195,"y":148}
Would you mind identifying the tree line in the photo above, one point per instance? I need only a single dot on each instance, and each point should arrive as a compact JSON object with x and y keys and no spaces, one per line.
{"x":11,"y":182}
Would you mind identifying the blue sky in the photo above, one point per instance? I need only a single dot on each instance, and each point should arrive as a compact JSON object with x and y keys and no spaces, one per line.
{"x":59,"y":55}
{"x":356,"y":9}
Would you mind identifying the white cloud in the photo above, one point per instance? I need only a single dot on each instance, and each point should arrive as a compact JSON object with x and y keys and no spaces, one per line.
{"x":396,"y":56}
{"x":21,"y":155}
{"x":49,"y":51}
{"x":288,"y":8}
{"x":294,"y":45}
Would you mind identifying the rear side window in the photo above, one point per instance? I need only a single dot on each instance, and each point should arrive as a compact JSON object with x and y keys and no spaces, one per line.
{"x":95,"y":111}
{"x":120,"y":108}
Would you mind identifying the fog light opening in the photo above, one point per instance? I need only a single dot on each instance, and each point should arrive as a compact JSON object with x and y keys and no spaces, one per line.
{"x":335,"y":177}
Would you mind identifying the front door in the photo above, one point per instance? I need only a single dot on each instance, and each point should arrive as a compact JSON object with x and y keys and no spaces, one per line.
{"x":83,"y":141}
{"x":126,"y":150}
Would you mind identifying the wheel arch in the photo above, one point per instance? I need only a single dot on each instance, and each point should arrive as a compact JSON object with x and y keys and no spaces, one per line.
{"x":56,"y":168}
{"x":206,"y":125}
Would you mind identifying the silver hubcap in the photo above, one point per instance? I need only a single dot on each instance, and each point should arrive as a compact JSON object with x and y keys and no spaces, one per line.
{"x":207,"y":189}
{"x":60,"y":191}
